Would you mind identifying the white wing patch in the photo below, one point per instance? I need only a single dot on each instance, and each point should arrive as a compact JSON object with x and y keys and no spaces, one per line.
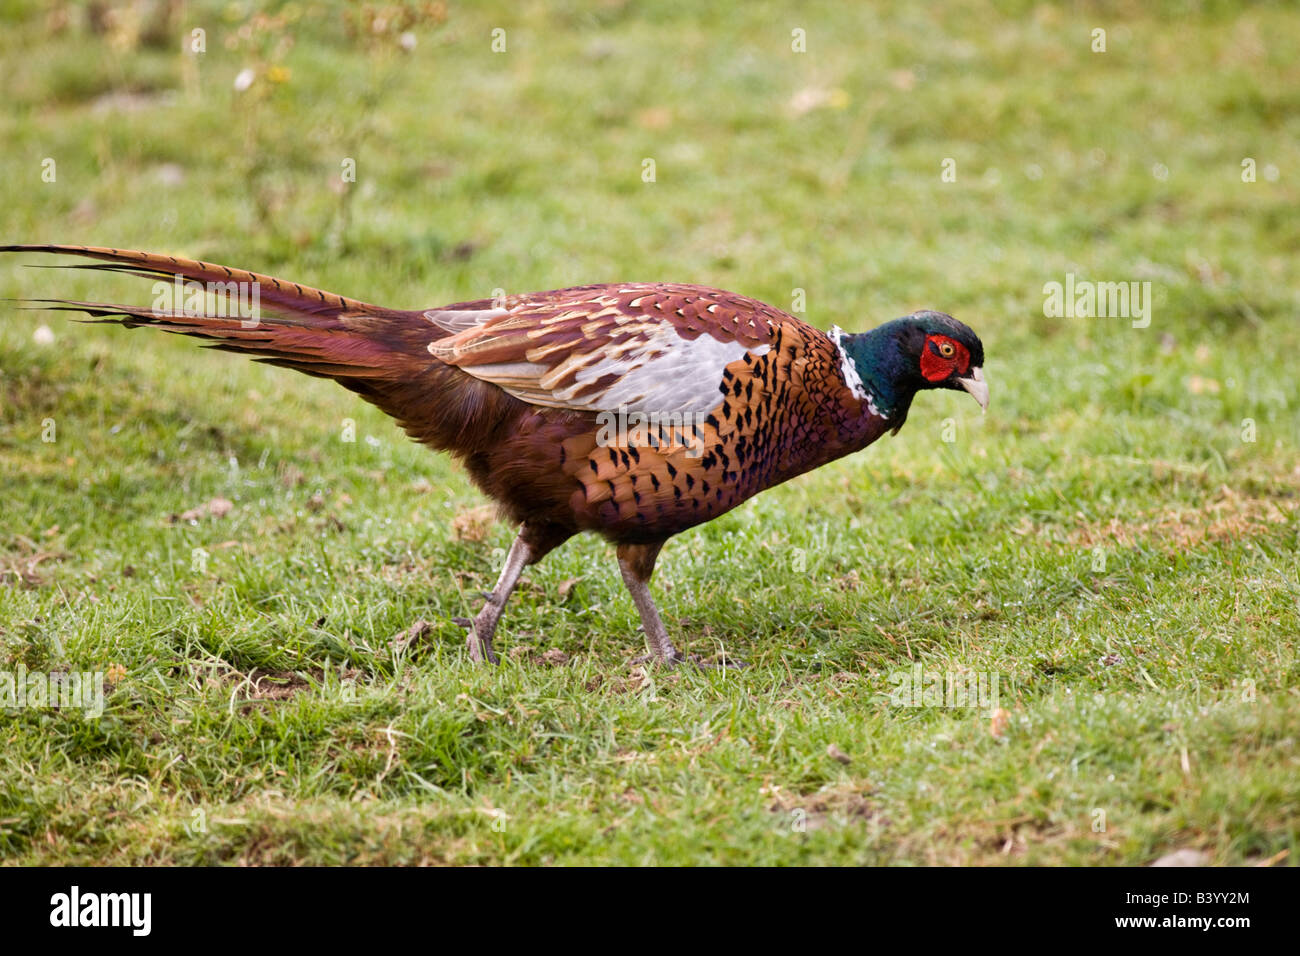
{"x":664,"y":374}
{"x":656,"y":372}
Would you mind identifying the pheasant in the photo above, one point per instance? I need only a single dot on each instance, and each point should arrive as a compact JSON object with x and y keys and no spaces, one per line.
{"x":633,"y":410}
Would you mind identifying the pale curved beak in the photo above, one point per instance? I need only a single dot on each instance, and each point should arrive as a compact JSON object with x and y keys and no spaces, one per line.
{"x":976,"y":385}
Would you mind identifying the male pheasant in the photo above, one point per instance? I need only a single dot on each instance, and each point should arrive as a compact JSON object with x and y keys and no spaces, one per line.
{"x":634,"y":410}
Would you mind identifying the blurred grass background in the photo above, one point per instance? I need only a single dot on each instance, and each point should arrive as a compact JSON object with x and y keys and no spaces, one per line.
{"x":1104,"y":540}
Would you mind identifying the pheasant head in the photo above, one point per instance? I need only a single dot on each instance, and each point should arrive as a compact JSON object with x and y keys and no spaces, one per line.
{"x":893,"y":362}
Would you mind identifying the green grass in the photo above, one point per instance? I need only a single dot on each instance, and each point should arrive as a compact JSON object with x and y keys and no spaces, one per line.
{"x":1104,"y":541}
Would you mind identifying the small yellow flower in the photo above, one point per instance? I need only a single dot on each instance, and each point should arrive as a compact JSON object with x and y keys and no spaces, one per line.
{"x":278,"y":74}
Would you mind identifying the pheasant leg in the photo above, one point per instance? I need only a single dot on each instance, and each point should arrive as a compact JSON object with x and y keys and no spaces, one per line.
{"x":484,"y":626}
{"x":637,"y":563}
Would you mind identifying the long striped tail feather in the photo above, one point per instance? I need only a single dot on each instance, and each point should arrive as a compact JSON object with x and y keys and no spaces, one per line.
{"x":297,"y":326}
{"x":381,"y":354}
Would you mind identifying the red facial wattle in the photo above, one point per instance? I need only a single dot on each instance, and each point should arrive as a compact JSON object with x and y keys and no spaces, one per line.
{"x":935,"y":365}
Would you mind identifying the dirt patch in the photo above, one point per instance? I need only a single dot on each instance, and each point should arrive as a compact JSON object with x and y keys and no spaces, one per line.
{"x":414,"y":636}
{"x":272,"y":685}
{"x":551,"y":657}
{"x":847,"y":804}
{"x":261,"y":685}
{"x":22,"y":563}
{"x":636,"y":680}
{"x":215,"y":508}
{"x":1012,"y":838}
{"x":1229,"y":516}
{"x":474,"y":524}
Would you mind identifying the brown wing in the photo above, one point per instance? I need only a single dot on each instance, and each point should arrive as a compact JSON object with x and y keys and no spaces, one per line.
{"x":643,"y":347}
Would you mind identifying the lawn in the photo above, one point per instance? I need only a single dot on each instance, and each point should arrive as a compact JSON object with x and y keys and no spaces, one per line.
{"x":1113,"y":547}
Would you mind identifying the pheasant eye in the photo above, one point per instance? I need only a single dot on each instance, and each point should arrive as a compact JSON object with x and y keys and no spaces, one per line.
{"x":946,"y":349}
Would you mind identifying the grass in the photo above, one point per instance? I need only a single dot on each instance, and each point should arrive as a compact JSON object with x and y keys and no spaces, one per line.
{"x":1106,"y":541}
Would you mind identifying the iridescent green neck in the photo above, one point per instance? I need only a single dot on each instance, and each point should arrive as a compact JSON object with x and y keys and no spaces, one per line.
{"x":882,"y":370}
